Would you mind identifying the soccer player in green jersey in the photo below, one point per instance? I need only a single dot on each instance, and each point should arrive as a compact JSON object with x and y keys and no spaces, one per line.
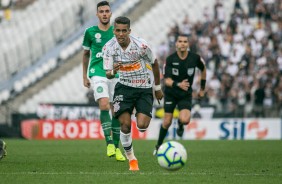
{"x":3,"y":151}
{"x":95,"y":76}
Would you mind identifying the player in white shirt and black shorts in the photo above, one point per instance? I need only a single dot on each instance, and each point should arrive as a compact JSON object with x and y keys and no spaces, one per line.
{"x":132,"y":57}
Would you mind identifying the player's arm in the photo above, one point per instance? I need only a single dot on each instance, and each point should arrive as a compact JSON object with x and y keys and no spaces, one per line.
{"x":112,"y":73}
{"x":202,"y":67}
{"x":85,"y":62}
{"x":156,"y":72}
{"x":184,"y":85}
{"x":86,"y":44}
{"x":158,"y":89}
{"x":108,"y":63}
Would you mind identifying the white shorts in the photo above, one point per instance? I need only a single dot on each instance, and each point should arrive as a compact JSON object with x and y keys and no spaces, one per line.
{"x":103,"y":87}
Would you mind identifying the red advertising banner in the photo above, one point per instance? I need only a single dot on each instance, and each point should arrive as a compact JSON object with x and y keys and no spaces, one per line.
{"x":68,"y":129}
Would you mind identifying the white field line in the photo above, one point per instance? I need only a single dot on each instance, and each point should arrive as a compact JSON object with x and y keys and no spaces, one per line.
{"x":141,"y":173}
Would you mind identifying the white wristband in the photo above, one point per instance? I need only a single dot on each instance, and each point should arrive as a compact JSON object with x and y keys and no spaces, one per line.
{"x":112,"y":73}
{"x":158,"y":87}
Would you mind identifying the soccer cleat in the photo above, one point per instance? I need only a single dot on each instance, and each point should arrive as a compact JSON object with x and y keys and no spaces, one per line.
{"x":133,"y":165}
{"x":180,"y":129}
{"x":111,"y":150}
{"x":156,"y":150}
{"x":3,"y":151}
{"x":119,"y":156}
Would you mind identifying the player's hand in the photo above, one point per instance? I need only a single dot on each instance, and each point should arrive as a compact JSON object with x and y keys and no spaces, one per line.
{"x":86,"y":82}
{"x":201,"y":94}
{"x":159,"y":95}
{"x":184,"y":85}
{"x":116,"y":67}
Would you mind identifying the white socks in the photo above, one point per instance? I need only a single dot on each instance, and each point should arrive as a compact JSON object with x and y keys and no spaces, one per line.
{"x":126,"y":141}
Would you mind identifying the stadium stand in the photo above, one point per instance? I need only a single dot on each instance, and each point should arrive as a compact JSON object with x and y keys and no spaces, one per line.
{"x":56,"y":57}
{"x":140,"y":28}
{"x":211,"y":32}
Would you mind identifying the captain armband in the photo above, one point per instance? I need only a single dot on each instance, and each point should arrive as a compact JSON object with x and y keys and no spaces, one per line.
{"x":203,"y":84}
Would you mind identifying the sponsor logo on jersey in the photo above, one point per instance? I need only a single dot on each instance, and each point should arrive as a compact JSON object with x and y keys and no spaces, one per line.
{"x":99,"y":54}
{"x":134,"y":81}
{"x":130,"y":67}
{"x":98,"y":38}
{"x":175,"y":63}
{"x":190,"y":71}
{"x":92,"y":70}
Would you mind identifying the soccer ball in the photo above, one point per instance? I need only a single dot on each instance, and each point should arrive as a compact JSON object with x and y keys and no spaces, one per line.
{"x":172,"y":155}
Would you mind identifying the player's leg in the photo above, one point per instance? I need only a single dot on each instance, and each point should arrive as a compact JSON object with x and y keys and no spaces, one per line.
{"x":123,"y":107}
{"x":3,"y":151}
{"x":169,"y":106}
{"x":144,"y":108}
{"x":163,"y":131}
{"x":101,"y":94}
{"x":115,"y":121}
{"x":126,"y":140}
{"x":184,"y":119}
{"x":116,"y":138}
{"x":184,"y":106}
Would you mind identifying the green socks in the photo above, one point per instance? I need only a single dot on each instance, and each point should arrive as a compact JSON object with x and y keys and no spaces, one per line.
{"x":116,"y":131}
{"x":106,"y":125}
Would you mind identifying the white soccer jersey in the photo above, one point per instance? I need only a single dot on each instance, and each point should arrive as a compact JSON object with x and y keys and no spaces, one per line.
{"x":135,"y":61}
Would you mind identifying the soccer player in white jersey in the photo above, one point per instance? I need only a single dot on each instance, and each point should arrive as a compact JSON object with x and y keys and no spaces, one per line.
{"x":94,"y":39}
{"x":131,"y":56}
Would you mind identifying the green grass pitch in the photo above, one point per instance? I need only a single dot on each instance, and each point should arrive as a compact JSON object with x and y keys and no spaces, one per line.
{"x":85,"y":161}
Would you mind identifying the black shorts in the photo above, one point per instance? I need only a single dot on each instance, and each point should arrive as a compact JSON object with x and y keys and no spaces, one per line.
{"x":170,"y":102}
{"x":127,"y":98}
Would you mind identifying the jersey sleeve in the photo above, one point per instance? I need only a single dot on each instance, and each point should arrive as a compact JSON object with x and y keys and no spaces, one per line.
{"x":108,"y":61}
{"x":168,"y":69}
{"x":151,"y":55}
{"x":86,"y":43}
{"x":201,"y":63}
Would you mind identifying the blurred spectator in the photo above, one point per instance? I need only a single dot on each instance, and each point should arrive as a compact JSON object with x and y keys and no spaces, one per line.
{"x":260,"y":10}
{"x":238,"y":7}
{"x":5,"y":9}
{"x":259,"y":97}
{"x":251,"y":7}
{"x":162,"y":53}
{"x":219,"y":12}
{"x":186,"y":26}
{"x":207,"y":14}
{"x":172,"y":35}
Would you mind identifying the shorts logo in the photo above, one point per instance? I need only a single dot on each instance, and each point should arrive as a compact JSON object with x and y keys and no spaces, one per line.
{"x":100,"y":89}
{"x":190,"y":71}
{"x":116,"y":106}
{"x":118,"y":98}
{"x":175,"y":71}
{"x":98,"y":37}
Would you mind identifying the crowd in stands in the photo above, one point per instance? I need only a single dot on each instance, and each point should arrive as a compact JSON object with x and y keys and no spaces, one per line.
{"x":243,"y":56}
